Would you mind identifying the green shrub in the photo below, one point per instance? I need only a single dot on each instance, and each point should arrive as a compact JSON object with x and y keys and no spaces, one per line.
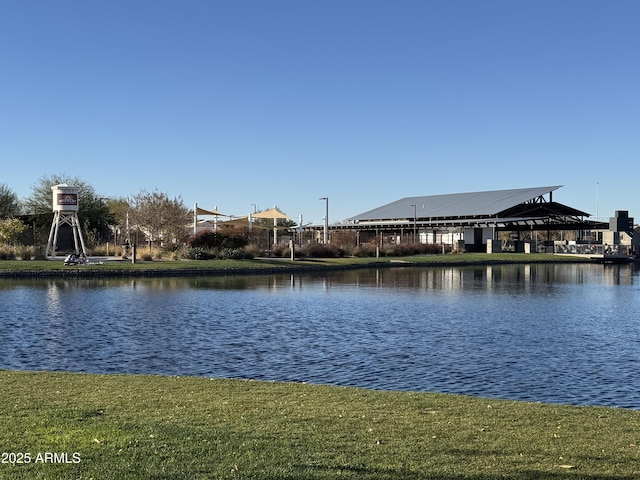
{"x":364,"y":251}
{"x":253,"y":250}
{"x":38,"y":254}
{"x":200,"y":253}
{"x":196,"y":253}
{"x":401,"y":250}
{"x":210,"y":239}
{"x":171,"y":247}
{"x":408,"y":249}
{"x":321,"y":250}
{"x":232,"y":254}
{"x":247,"y":255}
{"x":281,"y":250}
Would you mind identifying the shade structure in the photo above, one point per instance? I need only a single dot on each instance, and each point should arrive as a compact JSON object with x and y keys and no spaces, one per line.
{"x":244,"y":222}
{"x":275,"y":214}
{"x":271,"y":213}
{"x":202,"y":211}
{"x":235,"y":222}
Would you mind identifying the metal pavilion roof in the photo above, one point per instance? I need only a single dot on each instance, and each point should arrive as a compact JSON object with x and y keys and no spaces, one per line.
{"x":456,"y":205}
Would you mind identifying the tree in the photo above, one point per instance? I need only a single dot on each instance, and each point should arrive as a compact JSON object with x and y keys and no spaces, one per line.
{"x":40,"y":200}
{"x":92,"y":209}
{"x":9,"y":203}
{"x":119,"y":209}
{"x":10,"y":230}
{"x":160,"y":218}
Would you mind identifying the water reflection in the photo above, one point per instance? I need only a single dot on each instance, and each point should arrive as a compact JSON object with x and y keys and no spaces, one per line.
{"x":558,"y":333}
{"x":489,"y":277}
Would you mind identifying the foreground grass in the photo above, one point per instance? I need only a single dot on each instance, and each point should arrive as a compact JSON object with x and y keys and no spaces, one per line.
{"x":137,"y":427}
{"x":213,"y":266}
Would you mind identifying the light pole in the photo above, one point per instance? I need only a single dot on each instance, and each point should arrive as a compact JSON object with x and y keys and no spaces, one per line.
{"x":414,"y":221}
{"x":597,"y":188}
{"x":326,"y":219}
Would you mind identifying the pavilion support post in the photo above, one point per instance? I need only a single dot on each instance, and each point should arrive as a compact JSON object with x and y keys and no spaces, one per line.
{"x":195,"y":218}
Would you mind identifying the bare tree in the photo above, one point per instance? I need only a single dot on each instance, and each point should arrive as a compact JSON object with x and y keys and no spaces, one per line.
{"x":160,"y":218}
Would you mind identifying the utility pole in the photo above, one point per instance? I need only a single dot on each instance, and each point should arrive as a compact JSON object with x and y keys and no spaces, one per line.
{"x":326,"y":219}
{"x":414,"y":221}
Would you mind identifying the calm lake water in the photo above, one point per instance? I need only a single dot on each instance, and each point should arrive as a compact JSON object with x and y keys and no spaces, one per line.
{"x":551,"y":333}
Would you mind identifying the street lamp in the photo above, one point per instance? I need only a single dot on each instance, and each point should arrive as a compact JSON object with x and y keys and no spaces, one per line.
{"x":326,"y":219}
{"x":414,"y":221}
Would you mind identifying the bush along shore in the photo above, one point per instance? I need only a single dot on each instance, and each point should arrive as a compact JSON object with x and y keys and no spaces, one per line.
{"x":64,"y":425}
{"x":100,"y":267}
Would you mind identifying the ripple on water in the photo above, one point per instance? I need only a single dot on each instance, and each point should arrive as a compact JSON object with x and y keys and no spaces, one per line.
{"x":565,"y":335}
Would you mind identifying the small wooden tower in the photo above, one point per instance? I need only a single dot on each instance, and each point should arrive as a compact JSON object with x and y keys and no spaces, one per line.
{"x":65,"y":211}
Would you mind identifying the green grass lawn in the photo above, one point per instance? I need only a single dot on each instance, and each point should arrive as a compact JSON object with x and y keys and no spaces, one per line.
{"x":35,"y":266}
{"x":138,"y":427}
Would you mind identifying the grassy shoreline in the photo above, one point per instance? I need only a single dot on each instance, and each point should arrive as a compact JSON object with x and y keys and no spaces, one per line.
{"x":136,"y":426}
{"x":112,"y":267}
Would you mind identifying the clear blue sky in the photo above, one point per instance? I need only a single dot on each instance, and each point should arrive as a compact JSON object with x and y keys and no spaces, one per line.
{"x":234,"y":103}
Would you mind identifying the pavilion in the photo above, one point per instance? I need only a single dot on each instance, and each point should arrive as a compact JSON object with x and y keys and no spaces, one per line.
{"x":470,"y":220}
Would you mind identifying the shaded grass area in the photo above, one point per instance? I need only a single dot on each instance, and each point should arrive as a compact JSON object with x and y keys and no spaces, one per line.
{"x":137,"y":427}
{"x":181,"y":267}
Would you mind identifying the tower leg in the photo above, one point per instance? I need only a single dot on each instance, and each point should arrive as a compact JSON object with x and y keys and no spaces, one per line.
{"x":74,"y":229}
{"x":53,"y":233}
{"x":78,"y":230}
{"x":55,"y":237}
{"x":60,"y":218}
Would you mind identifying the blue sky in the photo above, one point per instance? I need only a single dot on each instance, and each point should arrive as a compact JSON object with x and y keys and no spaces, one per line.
{"x":231,"y":104}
